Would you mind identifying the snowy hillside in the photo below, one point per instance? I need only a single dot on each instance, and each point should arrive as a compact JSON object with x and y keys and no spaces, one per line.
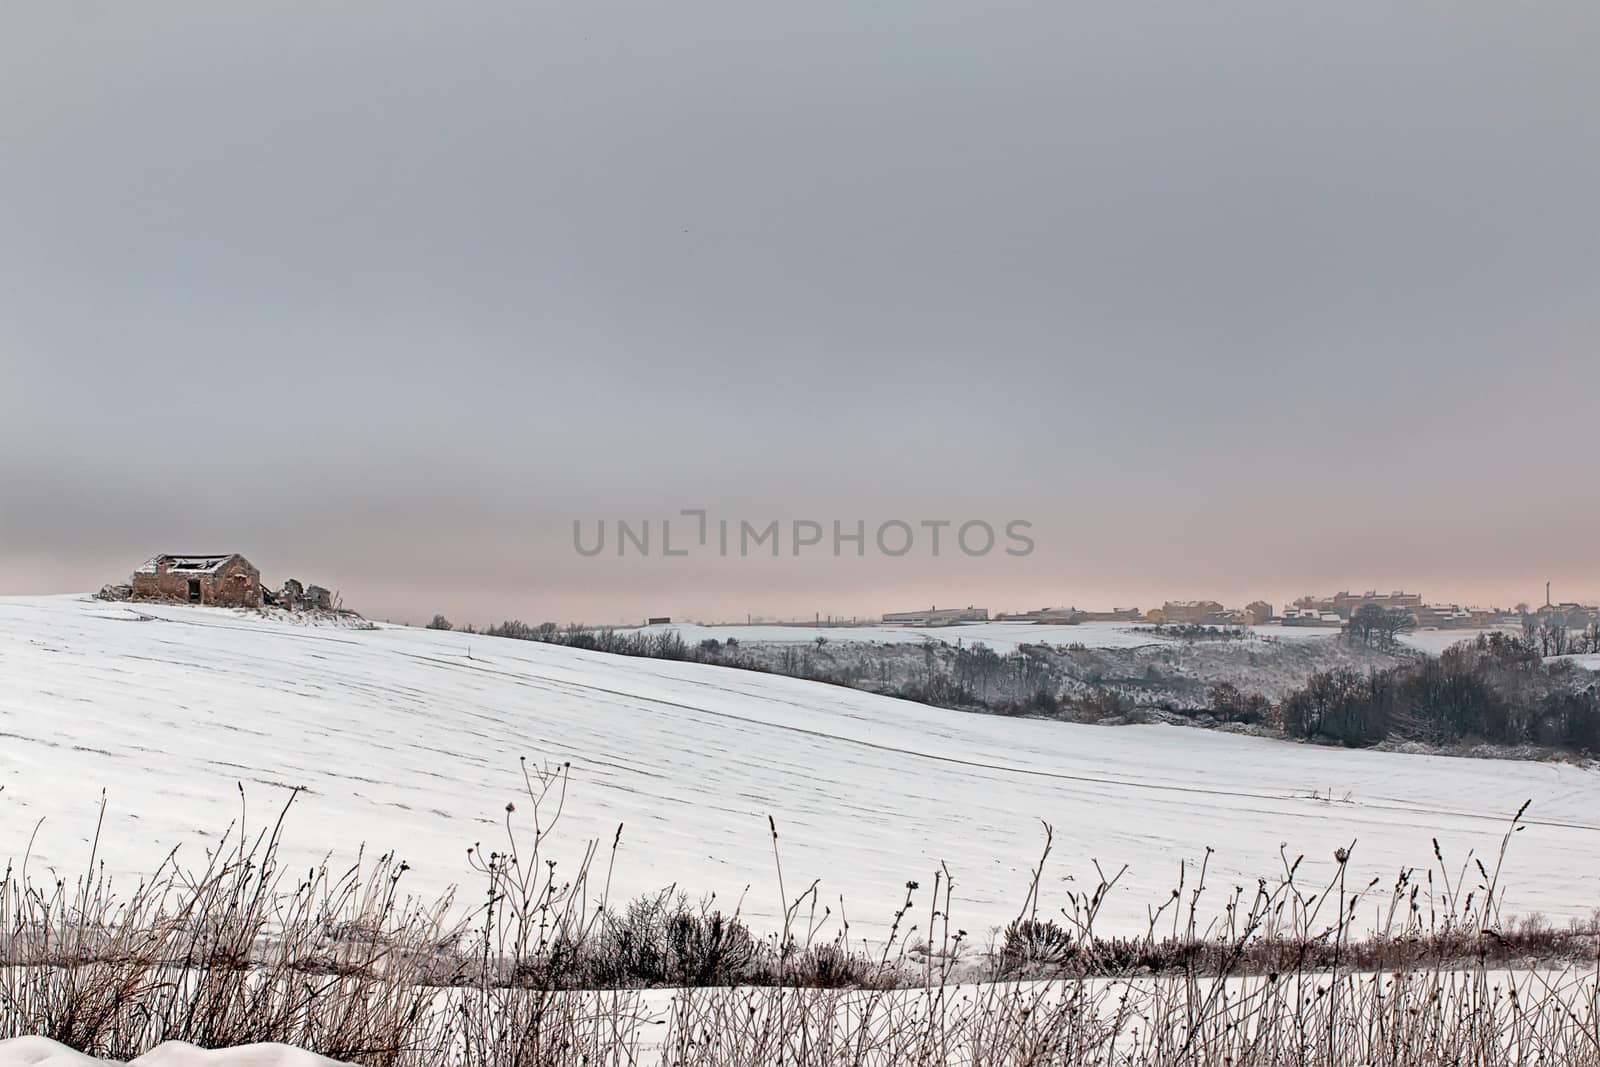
{"x":408,"y":739}
{"x":1007,"y":636}
{"x":1000,"y":636}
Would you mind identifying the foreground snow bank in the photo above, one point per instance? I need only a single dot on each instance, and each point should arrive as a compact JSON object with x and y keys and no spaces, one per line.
{"x":42,"y":1052}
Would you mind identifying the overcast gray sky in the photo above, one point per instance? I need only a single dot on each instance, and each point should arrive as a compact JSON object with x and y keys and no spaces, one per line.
{"x":1227,"y":300}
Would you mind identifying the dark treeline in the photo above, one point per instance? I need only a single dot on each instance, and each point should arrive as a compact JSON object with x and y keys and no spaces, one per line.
{"x":964,"y":677}
{"x":1497,"y":689}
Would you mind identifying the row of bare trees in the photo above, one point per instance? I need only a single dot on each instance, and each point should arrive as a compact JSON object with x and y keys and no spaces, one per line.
{"x":1555,"y":637}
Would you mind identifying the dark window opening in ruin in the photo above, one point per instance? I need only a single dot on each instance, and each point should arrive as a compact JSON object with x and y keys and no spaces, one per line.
{"x":194,"y":590}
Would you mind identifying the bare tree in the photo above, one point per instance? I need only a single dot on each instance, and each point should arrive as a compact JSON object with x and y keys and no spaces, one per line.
{"x":1392,"y":622}
{"x":1365,"y":624}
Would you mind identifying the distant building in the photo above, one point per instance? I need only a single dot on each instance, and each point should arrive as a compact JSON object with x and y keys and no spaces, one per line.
{"x":936,"y":616}
{"x":221,"y":579}
{"x":1347,"y":604}
{"x":1456,"y":617}
{"x":1258,"y":612}
{"x":1114,"y":615}
{"x":1572,"y":615}
{"x":1301,"y":615}
{"x":1073,"y":616}
{"x":1057,"y":616}
{"x":1225,"y":617}
{"x":1442,"y":616}
{"x":1187,"y":611}
{"x":658,"y":620}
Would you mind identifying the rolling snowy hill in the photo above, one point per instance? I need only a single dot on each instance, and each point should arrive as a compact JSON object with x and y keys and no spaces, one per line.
{"x":1007,"y":636}
{"x":408,"y":739}
{"x":1000,"y":636}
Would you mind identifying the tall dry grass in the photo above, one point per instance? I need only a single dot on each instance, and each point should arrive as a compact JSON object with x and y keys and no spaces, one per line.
{"x":545,"y":969}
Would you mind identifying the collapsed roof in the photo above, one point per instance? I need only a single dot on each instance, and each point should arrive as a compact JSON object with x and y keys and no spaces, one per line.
{"x":189,"y":564}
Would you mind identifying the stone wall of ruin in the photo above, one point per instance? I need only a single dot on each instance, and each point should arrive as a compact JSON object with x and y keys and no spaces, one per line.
{"x":235,"y":584}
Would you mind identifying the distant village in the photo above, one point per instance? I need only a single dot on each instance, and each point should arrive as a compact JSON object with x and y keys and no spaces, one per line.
{"x":1332,"y":612}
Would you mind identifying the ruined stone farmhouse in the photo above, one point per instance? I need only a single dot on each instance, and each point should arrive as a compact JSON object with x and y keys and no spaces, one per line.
{"x":221,"y":579}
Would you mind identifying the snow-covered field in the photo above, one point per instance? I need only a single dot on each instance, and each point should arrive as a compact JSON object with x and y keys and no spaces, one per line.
{"x":408,"y":739}
{"x":1006,"y":636}
{"x":1000,"y":636}
{"x":1434,"y":642}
